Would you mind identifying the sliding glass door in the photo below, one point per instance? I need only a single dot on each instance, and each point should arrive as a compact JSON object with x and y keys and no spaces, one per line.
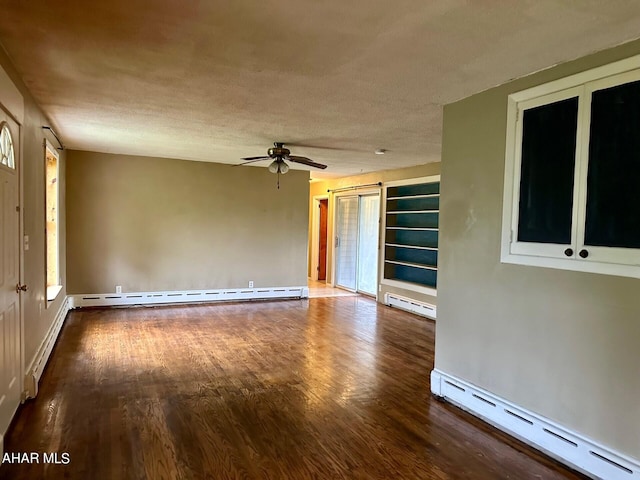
{"x":357,"y":231}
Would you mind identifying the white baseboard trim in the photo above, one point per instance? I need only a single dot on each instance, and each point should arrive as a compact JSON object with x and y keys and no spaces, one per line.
{"x":411,"y":305}
{"x":186,"y":296}
{"x":578,"y":452}
{"x":39,"y":361}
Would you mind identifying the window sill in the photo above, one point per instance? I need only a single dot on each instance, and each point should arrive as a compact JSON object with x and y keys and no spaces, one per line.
{"x":576,"y":265}
{"x":52,"y":292}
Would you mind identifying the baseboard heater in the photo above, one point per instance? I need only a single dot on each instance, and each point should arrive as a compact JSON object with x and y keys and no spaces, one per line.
{"x":411,"y":305}
{"x":563,"y":444}
{"x":187,"y":296}
{"x":39,"y":362}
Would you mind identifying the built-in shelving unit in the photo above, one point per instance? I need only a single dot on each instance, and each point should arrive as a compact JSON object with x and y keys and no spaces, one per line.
{"x":411,"y":234}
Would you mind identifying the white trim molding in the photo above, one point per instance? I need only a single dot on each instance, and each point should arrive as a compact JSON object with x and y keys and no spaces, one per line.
{"x":570,"y":448}
{"x":39,"y":361}
{"x":187,"y":296}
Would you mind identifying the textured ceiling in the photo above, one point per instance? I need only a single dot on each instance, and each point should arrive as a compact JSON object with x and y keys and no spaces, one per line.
{"x":219,"y":80}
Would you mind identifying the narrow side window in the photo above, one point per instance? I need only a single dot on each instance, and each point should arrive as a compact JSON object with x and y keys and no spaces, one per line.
{"x":52,"y":221}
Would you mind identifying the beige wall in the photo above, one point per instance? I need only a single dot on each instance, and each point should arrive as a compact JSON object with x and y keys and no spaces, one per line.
{"x":562,"y":344}
{"x":319,"y":188}
{"x":38,"y":316}
{"x":153,"y":224}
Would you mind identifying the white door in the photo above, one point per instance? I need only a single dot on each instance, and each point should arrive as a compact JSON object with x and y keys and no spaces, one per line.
{"x":357,"y":231}
{"x":10,"y":346}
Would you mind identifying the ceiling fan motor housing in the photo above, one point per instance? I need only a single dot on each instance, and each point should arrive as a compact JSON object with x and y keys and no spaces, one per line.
{"x":278,"y":151}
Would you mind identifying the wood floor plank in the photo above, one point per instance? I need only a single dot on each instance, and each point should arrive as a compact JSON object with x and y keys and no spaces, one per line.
{"x":325,"y":388}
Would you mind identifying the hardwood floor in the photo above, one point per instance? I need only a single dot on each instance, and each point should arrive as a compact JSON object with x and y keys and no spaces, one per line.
{"x":322,"y":290}
{"x":326,"y":388}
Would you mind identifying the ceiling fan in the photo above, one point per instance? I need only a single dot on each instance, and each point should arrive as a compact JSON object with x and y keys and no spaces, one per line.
{"x":279,"y":154}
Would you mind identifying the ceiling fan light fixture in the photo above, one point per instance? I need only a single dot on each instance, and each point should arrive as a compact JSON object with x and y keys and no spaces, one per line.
{"x":279,"y":154}
{"x":278,"y":166}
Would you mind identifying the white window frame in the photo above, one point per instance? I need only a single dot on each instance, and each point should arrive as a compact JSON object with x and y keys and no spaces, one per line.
{"x":53,"y":287}
{"x":605,"y":260}
{"x":333,"y":208}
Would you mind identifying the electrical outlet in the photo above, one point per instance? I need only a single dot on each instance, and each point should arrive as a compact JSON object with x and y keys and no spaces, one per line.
{"x":250,"y":283}
{"x":118,"y":288}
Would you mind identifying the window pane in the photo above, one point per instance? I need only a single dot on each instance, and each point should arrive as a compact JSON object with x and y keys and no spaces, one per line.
{"x":613,"y":181}
{"x":347,"y":248}
{"x":52,"y":217}
{"x":546,"y":181}
{"x":368,"y":233}
{"x":6,"y":148}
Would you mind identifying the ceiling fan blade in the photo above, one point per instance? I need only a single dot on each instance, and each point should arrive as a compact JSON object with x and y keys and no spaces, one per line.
{"x":305,"y":161}
{"x":251,"y":160}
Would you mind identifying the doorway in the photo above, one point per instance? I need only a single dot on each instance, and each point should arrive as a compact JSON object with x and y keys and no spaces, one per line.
{"x":356,"y":247}
{"x":323,"y":214}
{"x":319,"y":235}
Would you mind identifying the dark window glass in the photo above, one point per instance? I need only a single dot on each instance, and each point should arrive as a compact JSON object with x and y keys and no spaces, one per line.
{"x":613,"y":181}
{"x":547,"y":172}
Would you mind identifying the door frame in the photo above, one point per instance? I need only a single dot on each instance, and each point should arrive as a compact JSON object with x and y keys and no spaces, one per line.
{"x":21,"y":247}
{"x":12,"y":104}
{"x":16,"y":131}
{"x":315,"y":234}
{"x":331,"y":243}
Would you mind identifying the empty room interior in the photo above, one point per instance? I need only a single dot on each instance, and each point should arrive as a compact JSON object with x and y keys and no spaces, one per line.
{"x":320,"y":240}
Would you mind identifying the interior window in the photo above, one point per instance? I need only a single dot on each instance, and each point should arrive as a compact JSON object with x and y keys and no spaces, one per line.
{"x":572,"y":196}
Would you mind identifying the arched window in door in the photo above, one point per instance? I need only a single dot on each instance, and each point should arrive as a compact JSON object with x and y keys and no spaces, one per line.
{"x":6,"y":147}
